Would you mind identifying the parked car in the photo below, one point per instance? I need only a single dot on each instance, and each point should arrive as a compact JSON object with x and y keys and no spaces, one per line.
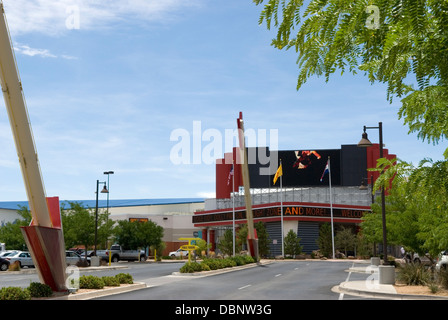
{"x":4,"y":264}
{"x":73,"y":258}
{"x":179,"y":252}
{"x":7,"y":253}
{"x":23,"y":257}
{"x":442,"y":260}
{"x":424,"y":260}
{"x":118,"y":253}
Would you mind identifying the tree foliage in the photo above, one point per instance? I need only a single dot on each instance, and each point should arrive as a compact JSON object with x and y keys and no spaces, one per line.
{"x":345,"y":239}
{"x":78,"y":224}
{"x":136,"y":234}
{"x":10,"y":233}
{"x":400,"y":43}
{"x":263,"y":239}
{"x":225,"y":243}
{"x":416,"y":206}
{"x":292,"y":244}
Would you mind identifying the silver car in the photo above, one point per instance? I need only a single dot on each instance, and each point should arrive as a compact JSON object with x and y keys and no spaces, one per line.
{"x":73,"y":258}
{"x":7,"y":253}
{"x":442,"y":260}
{"x":23,"y":257}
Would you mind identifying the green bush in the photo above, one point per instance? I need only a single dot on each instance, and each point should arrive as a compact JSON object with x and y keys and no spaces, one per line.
{"x":228,"y":263}
{"x":443,"y":277}
{"x":125,"y":278}
{"x":191,"y":267}
{"x":249,"y":259}
{"x":242,"y":260}
{"x":91,"y":282}
{"x":208,"y":264}
{"x":414,"y":274}
{"x":14,"y":293}
{"x":39,"y":290}
{"x":213,"y":264}
{"x":111,"y":281}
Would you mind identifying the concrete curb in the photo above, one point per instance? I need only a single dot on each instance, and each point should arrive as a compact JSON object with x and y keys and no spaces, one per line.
{"x":380,"y":291}
{"x":219,"y":271}
{"x":101,"y":292}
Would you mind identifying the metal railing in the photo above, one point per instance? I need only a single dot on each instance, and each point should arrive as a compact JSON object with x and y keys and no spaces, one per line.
{"x":341,"y":195}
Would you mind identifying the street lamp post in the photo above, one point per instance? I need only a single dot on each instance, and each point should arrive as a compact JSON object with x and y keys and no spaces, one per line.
{"x":107,"y":218}
{"x":96,"y":209}
{"x":365,"y":142}
{"x":108,"y":174}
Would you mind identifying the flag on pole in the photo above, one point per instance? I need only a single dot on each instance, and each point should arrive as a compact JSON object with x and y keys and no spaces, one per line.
{"x":326,"y":170}
{"x":230,"y":175}
{"x":279,"y":173}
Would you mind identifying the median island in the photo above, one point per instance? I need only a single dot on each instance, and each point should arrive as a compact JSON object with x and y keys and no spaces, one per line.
{"x":208,"y":264}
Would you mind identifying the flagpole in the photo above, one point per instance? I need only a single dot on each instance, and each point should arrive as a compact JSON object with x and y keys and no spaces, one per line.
{"x":281,"y":210}
{"x":233,"y":206}
{"x":331,"y":206}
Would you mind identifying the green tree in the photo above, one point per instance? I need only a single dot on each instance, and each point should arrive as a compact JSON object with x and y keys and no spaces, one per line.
{"x":241,"y":238}
{"x":11,"y":234}
{"x":136,"y":234}
{"x":416,"y":206}
{"x":324,"y":241}
{"x":78,"y":224}
{"x":263,"y":239}
{"x":345,"y":239}
{"x":225,"y":243}
{"x":203,"y":246}
{"x":262,"y":235}
{"x":158,"y":249}
{"x":292,"y":244}
{"x":395,"y":42}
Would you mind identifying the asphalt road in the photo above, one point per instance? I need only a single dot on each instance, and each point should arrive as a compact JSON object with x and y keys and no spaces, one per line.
{"x":141,"y":272}
{"x":282,"y":280}
{"x":294,"y":280}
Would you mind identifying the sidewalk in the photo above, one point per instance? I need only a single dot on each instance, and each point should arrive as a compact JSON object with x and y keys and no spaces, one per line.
{"x":372,"y":288}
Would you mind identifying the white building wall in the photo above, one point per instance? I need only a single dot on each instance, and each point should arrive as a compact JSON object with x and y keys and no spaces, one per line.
{"x":7,"y":215}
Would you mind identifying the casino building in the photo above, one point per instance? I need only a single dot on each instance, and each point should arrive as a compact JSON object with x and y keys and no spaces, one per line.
{"x":304,"y":195}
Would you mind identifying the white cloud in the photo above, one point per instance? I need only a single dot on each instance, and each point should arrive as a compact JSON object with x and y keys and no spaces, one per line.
{"x":57,"y":17}
{"x":35,"y":52}
{"x":206,"y":195}
{"x":28,"y":51}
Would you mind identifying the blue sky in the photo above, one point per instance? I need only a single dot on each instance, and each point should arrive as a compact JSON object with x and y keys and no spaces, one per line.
{"x":107,"y":94}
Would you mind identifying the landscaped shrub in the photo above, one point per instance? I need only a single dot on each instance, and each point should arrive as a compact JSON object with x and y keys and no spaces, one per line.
{"x":443,"y":278}
{"x":39,"y":290}
{"x":242,"y":260}
{"x":90,"y":282}
{"x":125,"y":278}
{"x":248,"y":259}
{"x":208,"y":264}
{"x":239,"y":260}
{"x":228,"y":263}
{"x":414,"y":274}
{"x":111,"y":281}
{"x":214,"y":264}
{"x":14,"y":293}
{"x":191,"y":267}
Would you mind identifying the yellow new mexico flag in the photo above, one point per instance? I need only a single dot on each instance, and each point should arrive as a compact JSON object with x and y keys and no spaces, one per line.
{"x":279,"y":173}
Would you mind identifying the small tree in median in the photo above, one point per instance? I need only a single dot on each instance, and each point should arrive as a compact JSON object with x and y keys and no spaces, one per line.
{"x":292,"y":244}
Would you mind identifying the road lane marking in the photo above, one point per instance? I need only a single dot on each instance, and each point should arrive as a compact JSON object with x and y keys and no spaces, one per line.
{"x":341,"y":295}
{"x":278,"y":275}
{"x":241,"y":288}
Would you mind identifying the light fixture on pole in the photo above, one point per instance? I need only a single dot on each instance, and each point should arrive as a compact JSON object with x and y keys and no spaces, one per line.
{"x":365,"y":142}
{"x":96,"y":209}
{"x":108,"y":174}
